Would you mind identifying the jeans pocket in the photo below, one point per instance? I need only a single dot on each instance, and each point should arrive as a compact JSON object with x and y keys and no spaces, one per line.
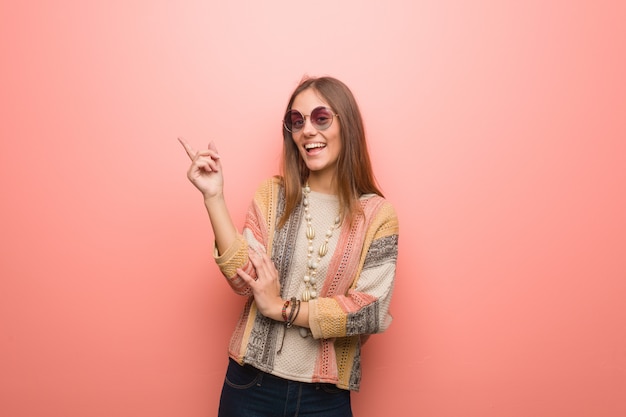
{"x":241,"y":377}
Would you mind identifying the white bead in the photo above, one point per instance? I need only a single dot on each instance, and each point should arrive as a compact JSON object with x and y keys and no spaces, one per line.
{"x":310,"y":292}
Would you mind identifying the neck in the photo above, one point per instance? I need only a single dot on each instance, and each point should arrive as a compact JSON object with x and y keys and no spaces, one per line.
{"x":322,"y":185}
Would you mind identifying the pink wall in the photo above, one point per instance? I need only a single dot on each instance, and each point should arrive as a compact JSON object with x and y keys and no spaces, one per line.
{"x":497,"y":130}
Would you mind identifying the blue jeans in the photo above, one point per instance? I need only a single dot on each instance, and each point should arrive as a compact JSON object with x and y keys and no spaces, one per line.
{"x":249,"y":392}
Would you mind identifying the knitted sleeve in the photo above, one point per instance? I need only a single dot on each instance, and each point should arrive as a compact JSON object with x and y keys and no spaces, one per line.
{"x":363,"y":308}
{"x":254,"y":235}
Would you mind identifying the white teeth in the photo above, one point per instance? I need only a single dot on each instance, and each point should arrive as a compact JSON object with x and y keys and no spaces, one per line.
{"x":313,"y":145}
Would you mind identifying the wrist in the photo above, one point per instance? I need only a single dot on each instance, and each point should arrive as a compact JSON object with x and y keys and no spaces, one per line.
{"x":212,"y":199}
{"x":277,"y":308}
{"x":273,"y":310}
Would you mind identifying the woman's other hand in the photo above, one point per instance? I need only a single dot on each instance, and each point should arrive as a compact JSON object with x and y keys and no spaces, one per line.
{"x":265,"y":286}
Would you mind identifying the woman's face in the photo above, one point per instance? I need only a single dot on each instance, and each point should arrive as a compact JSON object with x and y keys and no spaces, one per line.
{"x":319,"y":149}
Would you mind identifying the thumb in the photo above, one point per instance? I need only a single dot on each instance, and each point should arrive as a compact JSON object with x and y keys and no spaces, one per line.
{"x":213,"y":147}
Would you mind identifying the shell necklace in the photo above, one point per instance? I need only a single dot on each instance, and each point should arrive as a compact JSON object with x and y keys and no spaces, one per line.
{"x":310,"y":276}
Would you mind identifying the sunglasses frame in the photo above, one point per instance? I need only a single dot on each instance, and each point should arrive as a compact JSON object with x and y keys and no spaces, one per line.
{"x":304,"y":116}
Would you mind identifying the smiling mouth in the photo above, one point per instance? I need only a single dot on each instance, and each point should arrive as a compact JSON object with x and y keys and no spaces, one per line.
{"x":312,"y":146}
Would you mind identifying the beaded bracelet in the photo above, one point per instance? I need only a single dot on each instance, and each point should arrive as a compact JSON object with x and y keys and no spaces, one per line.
{"x":284,"y":312}
{"x":293,"y":308}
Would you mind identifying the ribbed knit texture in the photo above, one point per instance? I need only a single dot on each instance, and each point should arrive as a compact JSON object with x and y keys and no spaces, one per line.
{"x":355,"y":283}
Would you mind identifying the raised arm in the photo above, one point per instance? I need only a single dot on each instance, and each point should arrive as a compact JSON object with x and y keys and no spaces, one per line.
{"x":205,"y":173}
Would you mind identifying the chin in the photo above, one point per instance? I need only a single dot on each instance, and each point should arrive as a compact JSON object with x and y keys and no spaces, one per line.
{"x":316,"y":167}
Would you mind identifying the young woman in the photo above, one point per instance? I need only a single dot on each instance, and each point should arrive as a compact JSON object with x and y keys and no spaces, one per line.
{"x":316,"y":260}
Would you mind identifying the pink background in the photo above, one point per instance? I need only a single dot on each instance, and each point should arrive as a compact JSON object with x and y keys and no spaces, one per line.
{"x":498,"y":129}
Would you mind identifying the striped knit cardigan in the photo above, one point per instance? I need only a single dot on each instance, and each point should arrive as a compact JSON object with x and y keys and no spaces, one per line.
{"x":345,"y":314}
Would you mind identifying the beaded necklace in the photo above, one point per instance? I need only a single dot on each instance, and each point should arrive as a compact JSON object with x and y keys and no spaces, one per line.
{"x":310,"y":276}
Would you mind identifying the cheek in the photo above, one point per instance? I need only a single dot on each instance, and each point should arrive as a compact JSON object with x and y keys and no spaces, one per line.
{"x":294,"y":142}
{"x":336,"y":142}
{"x":296,"y":147}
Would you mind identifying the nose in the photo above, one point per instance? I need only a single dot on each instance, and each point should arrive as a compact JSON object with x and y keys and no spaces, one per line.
{"x":308,"y":129}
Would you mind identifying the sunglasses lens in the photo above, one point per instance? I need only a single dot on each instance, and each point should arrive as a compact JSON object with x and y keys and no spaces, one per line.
{"x":294,"y":120}
{"x":321,"y":117}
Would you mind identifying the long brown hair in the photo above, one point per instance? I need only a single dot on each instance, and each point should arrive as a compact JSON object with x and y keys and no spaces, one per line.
{"x":354,"y":175}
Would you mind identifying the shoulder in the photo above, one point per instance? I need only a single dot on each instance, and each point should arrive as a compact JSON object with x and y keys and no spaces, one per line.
{"x":271,"y":183}
{"x":269,"y":189}
{"x":378,"y":206}
{"x":380,"y":212}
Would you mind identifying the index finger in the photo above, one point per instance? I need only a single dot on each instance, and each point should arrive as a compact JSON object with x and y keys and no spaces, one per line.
{"x":190,"y":151}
